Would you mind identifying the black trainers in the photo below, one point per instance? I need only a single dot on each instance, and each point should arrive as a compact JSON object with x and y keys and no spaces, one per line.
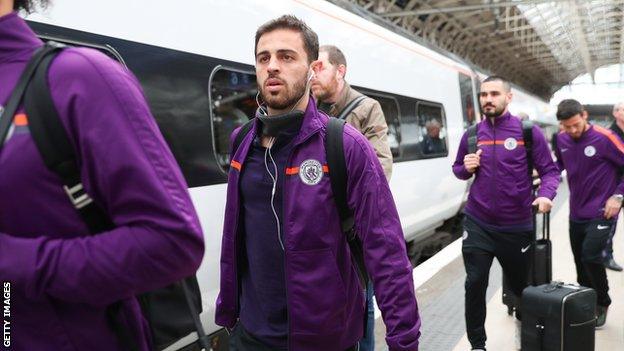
{"x":601,"y":315}
{"x":612,"y":265}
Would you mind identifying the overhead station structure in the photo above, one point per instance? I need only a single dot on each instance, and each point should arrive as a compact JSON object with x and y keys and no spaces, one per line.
{"x":538,"y":45}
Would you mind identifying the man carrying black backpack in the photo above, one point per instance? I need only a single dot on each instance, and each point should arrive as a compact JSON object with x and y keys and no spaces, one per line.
{"x":73,"y":254}
{"x":292,"y":277}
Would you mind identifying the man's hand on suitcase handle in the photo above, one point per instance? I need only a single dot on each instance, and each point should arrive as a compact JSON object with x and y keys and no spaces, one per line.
{"x":543,"y":204}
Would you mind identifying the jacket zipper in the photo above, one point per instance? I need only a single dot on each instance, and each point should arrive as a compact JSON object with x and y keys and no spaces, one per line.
{"x":288,"y":161}
{"x":494,"y":171}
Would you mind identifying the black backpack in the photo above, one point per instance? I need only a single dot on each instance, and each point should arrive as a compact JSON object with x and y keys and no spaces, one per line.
{"x":527,"y":136}
{"x":172,"y":312}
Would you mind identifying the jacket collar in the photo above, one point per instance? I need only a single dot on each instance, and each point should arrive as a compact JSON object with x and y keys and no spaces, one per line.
{"x":312,"y":122}
{"x":500,"y":119}
{"x":17,"y":40}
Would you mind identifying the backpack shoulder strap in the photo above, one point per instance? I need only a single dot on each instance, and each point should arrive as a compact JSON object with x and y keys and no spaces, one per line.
{"x":527,"y":136}
{"x":55,"y":148}
{"x":244,"y":130}
{"x":334,"y":150}
{"x":8,"y":113}
{"x":338,"y":170}
{"x":472,"y":138}
{"x":350,"y":107}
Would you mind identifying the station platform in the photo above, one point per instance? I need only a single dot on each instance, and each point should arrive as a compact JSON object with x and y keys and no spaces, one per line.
{"x":439,"y":284}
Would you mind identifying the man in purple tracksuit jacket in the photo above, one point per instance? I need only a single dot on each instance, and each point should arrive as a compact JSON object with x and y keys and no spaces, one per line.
{"x":593,"y":158}
{"x":498,"y":213}
{"x":618,"y":129}
{"x":60,"y":279}
{"x":287,"y":277}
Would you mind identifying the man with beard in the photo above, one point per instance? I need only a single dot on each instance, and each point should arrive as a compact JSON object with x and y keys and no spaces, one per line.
{"x":287,"y":277}
{"x":73,"y":289}
{"x":593,"y":158}
{"x":618,"y":128}
{"x":336,"y":96}
{"x":498,"y":221}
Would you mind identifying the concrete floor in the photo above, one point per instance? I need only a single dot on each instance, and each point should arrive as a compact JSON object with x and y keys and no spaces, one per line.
{"x":441,"y":298}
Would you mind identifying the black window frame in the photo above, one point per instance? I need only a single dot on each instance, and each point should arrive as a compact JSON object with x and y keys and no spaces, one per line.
{"x":473,"y":100}
{"x":215,"y":70}
{"x":373,"y":94}
{"x":444,"y":126}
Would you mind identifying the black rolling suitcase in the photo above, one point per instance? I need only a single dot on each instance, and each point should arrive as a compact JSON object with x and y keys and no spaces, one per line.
{"x":558,"y":317}
{"x":540,"y":271}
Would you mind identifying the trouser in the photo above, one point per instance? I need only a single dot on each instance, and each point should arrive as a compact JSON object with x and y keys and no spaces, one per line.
{"x":368,"y":342}
{"x":480,"y":246}
{"x":588,"y":240}
{"x":607,"y":254}
{"x":241,"y":340}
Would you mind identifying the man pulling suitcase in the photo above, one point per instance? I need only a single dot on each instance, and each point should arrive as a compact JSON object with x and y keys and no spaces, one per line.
{"x":593,"y":157}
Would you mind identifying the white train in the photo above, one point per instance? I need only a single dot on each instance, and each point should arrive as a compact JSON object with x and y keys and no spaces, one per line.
{"x":195,"y":62}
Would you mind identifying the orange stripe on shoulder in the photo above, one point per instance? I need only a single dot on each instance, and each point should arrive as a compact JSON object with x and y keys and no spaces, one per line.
{"x":609,"y":134}
{"x":20,"y":120}
{"x":236,"y":165}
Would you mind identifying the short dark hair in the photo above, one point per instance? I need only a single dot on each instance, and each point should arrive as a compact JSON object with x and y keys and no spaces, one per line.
{"x":334,"y":55}
{"x":569,"y":108}
{"x":28,"y":5}
{"x":506,"y":84}
{"x":310,"y":39}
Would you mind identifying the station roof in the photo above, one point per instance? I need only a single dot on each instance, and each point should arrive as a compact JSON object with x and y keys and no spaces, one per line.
{"x":538,"y":45}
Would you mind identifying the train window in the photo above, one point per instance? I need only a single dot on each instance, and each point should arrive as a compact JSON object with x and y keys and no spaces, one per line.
{"x":232,"y":102}
{"x":432,"y":138}
{"x":410,"y":132}
{"x":390,"y":108}
{"x":467,"y":100}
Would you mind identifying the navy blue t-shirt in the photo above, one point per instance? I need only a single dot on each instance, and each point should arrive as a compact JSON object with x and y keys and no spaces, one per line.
{"x":263,"y":306}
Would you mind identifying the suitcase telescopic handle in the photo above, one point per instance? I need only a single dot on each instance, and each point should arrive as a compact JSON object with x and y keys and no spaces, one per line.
{"x":545,"y":224}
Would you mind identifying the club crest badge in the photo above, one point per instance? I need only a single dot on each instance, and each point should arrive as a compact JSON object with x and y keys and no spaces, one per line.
{"x":590,"y":151}
{"x":511,"y":143}
{"x":311,"y":172}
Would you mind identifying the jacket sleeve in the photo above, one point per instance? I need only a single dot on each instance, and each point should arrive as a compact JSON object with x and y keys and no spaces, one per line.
{"x":379,"y":227}
{"x":370,"y":120}
{"x":615,"y":154}
{"x":458,"y":166}
{"x":129,"y":170}
{"x":546,"y":168}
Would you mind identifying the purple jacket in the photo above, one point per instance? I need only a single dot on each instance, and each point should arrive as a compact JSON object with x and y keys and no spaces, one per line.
{"x":61,"y":277}
{"x":593,"y":163}
{"x":501,"y":194}
{"x":324,"y":295}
